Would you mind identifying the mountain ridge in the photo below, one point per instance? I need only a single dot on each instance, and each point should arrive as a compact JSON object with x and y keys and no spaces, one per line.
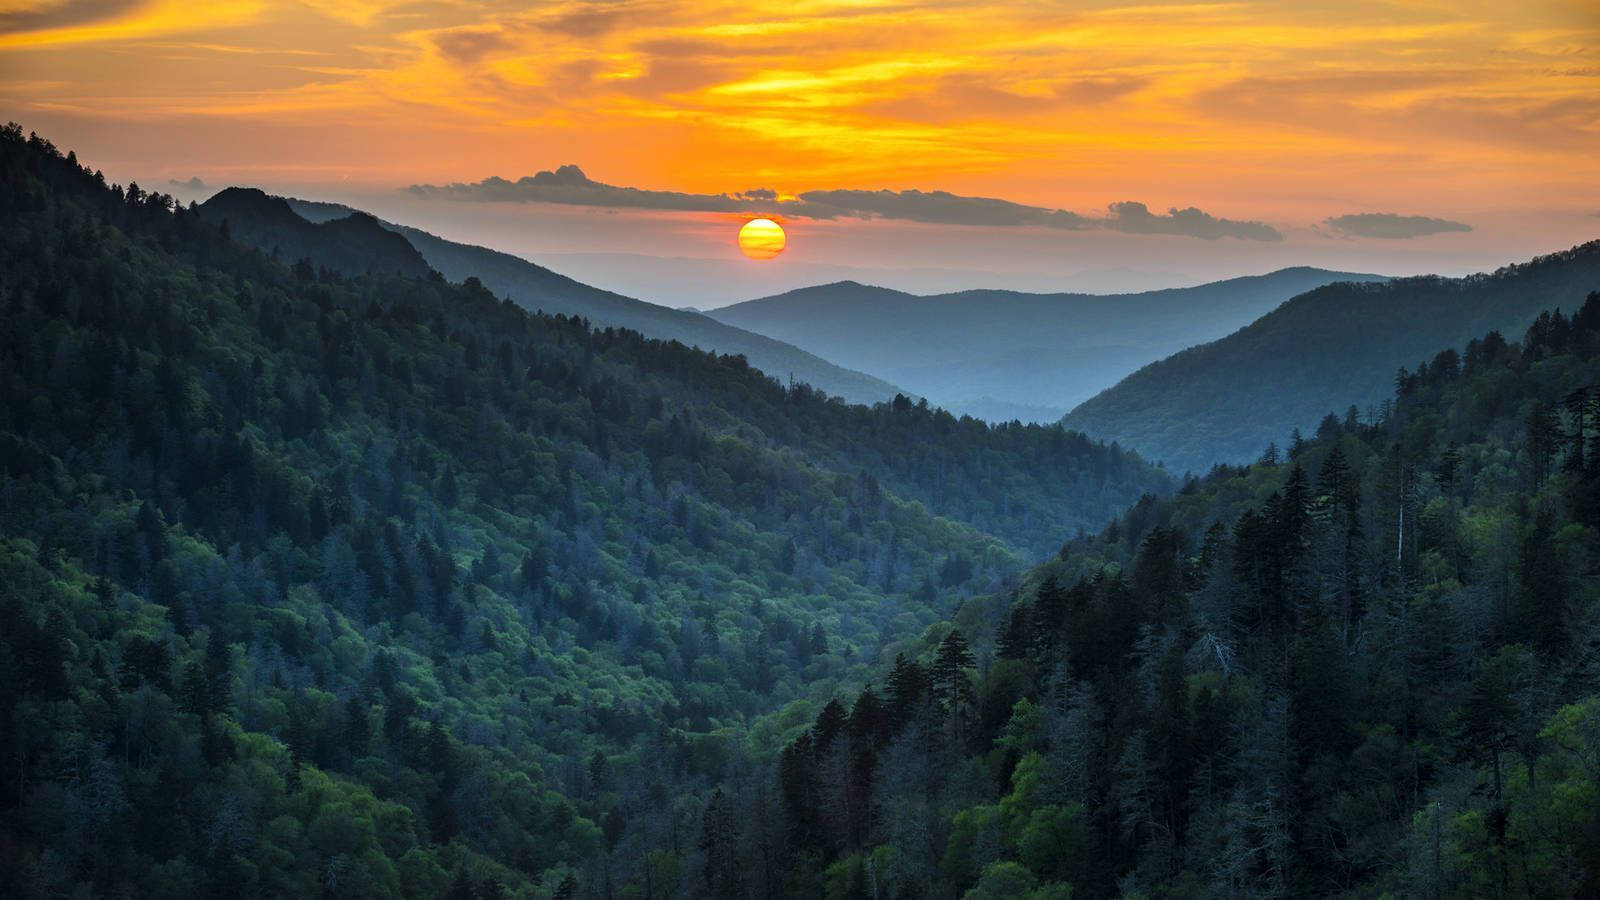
{"x":1018,"y":348}
{"x":324,"y":584}
{"x":1223,"y":401}
{"x":354,"y":244}
{"x":536,"y":288}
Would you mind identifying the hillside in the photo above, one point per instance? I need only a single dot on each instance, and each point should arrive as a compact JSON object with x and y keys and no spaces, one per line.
{"x":536,"y":288}
{"x":1369,"y":670}
{"x":380,"y":585}
{"x":1322,"y":351}
{"x":997,"y":354}
{"x":354,"y":244}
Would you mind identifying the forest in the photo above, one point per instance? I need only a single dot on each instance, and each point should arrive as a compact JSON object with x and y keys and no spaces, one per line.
{"x":378,"y":584}
{"x":538,"y":289}
{"x":320,"y":583}
{"x":1324,"y":349}
{"x":1365,"y":665}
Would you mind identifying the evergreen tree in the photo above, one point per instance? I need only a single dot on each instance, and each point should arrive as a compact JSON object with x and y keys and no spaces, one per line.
{"x":951,"y":682}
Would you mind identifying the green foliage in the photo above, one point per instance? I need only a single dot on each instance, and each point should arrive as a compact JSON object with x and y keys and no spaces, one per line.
{"x":340,"y":578}
{"x":536,"y":288}
{"x":1332,"y":347}
{"x":377,"y":585}
{"x":1376,"y":680}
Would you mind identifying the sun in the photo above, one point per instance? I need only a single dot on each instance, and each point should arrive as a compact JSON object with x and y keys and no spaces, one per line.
{"x":762,"y":239}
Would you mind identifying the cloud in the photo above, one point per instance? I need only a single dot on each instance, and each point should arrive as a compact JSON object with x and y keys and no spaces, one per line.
{"x":1135,"y":218}
{"x":193,"y":184}
{"x":1389,"y":226}
{"x":588,"y":21}
{"x":1099,"y":90}
{"x":467,"y":47}
{"x":59,"y":15}
{"x":943,"y":208}
{"x":937,"y":207}
{"x":569,"y":185}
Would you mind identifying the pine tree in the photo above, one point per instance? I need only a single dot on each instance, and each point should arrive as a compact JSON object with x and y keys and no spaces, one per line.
{"x":831,"y":722}
{"x":1449,"y":465}
{"x":1049,"y":610}
{"x":952,"y":685}
{"x":1014,"y":640}
{"x":1541,"y":619}
{"x":1541,"y":439}
{"x":908,"y":686}
{"x":1577,"y":406}
{"x":1294,"y":512}
{"x":1337,"y":489}
{"x":719,"y":842}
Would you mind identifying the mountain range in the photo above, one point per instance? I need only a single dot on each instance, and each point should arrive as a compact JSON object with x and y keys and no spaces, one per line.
{"x":1005,"y":354}
{"x":352,"y":243}
{"x":1321,"y":352}
{"x":1310,"y":344}
{"x":256,"y":217}
{"x":320,"y":575}
{"x":323,"y":574}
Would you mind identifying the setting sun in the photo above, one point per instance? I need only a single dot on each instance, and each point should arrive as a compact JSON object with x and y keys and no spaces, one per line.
{"x":762,"y":239}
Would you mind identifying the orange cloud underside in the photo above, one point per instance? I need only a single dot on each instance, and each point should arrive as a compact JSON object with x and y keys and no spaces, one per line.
{"x":1287,"y":104}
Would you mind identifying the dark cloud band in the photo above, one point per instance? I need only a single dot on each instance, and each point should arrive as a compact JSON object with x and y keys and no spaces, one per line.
{"x":62,"y":15}
{"x":1389,"y":226}
{"x":569,"y":185}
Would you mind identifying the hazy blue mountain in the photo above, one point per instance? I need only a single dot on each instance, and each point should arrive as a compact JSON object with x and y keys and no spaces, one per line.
{"x":1320,"y":352}
{"x":1005,"y":353}
{"x":536,"y":288}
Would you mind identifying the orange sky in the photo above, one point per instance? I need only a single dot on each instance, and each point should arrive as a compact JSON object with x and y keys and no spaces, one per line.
{"x":1274,"y":111}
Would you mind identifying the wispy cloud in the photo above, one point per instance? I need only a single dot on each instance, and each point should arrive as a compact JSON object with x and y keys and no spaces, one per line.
{"x":466,"y":46}
{"x":1079,"y":103}
{"x":569,"y":185}
{"x":1389,"y":226}
{"x":1136,"y":218}
{"x":62,"y":15}
{"x":940,"y":207}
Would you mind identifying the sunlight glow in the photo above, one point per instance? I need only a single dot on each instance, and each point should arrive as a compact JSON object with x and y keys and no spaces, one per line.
{"x":762,"y":239}
{"x":1053,"y":105}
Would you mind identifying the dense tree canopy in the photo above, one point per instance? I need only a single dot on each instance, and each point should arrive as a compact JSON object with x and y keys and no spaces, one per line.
{"x":1327,"y":348}
{"x":1368,"y":667}
{"x":325,"y":582}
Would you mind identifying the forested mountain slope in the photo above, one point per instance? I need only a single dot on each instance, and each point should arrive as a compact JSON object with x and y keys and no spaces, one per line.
{"x":536,"y":288}
{"x":1321,"y":351}
{"x":988,"y":352}
{"x":1370,"y":669}
{"x":380,"y":585}
{"x":354,"y":244}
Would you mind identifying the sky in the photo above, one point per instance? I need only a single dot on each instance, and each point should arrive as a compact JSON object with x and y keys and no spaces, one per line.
{"x":1040,"y":146}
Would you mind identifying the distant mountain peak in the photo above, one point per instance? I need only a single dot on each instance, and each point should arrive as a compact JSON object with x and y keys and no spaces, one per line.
{"x":538,"y":288}
{"x":354,"y":244}
{"x":251,"y":201}
{"x":1319,"y":352}
{"x":1004,"y":354}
